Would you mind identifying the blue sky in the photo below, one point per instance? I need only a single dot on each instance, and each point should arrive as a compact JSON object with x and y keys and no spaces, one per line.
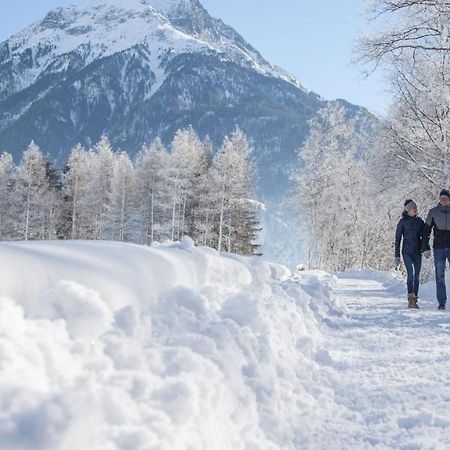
{"x":313,"y":39}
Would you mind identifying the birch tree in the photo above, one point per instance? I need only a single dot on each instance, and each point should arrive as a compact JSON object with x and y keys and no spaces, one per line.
{"x":333,"y":192}
{"x":188,"y":163}
{"x":152,"y":193}
{"x":101,"y":194}
{"x":100,"y":190}
{"x":122,"y":198}
{"x":6,"y":197}
{"x":30,"y":191}
{"x":52,"y":201}
{"x":410,"y":41}
{"x":77,"y":178}
{"x":233,"y":174}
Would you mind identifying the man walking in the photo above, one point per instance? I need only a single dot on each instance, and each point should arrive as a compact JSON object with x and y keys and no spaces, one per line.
{"x":438,"y":220}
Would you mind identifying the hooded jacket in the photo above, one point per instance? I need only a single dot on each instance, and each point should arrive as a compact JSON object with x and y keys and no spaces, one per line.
{"x":411,"y":229}
{"x":438,"y":221}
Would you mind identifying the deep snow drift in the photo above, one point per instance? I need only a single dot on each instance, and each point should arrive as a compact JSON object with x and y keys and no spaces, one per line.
{"x":108,"y":346}
{"x":115,"y":346}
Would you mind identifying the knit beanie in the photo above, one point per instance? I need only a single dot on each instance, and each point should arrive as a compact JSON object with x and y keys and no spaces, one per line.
{"x":409,"y":205}
{"x":444,"y":193}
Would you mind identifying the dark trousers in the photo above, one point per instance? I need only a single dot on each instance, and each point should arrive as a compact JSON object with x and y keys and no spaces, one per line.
{"x":413,"y":265}
{"x":441,"y":256}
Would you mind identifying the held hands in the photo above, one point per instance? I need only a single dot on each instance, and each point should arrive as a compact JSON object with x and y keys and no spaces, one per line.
{"x":427,"y":254}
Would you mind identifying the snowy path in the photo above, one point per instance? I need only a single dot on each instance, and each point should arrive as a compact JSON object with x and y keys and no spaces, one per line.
{"x":391,"y":382}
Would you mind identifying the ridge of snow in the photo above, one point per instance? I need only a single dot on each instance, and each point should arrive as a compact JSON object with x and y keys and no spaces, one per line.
{"x":117,"y":346}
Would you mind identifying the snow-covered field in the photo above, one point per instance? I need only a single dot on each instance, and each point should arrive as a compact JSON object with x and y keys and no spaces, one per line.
{"x":114,"y":346}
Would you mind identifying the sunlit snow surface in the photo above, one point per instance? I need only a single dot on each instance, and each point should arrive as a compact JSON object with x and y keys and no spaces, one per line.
{"x":116,"y":346}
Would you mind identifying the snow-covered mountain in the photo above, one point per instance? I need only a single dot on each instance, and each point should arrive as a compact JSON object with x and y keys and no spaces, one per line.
{"x":138,"y":69}
{"x":106,"y":27}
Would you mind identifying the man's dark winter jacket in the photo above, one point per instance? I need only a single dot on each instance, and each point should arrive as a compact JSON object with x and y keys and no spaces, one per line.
{"x":438,"y":220}
{"x":411,"y":229}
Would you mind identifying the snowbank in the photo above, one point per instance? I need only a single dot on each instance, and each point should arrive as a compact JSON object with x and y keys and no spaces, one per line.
{"x":114,"y":346}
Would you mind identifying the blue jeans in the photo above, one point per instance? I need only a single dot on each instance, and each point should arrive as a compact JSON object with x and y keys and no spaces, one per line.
{"x":441,"y":256}
{"x":413,"y":265}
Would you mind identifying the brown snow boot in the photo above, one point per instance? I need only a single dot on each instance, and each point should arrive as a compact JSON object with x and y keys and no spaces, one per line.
{"x":412,"y":301}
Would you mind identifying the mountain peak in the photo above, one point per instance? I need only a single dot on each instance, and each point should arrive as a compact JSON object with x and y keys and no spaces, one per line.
{"x":101,"y":28}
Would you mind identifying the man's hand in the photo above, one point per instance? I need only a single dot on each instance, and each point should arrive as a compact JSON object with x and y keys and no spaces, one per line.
{"x":398,"y":262}
{"x":427,"y":254}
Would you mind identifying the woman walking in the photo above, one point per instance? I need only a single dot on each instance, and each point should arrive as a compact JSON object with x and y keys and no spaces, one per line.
{"x":410,"y":229}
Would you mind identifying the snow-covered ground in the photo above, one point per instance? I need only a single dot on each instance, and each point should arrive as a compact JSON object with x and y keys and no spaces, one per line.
{"x":389,"y":379}
{"x":114,"y":346}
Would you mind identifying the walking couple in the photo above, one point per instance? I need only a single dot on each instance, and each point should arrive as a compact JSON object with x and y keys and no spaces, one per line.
{"x":415,"y":234}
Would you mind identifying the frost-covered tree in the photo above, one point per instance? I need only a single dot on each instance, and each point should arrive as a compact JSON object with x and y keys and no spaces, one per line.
{"x":411,"y":41}
{"x":203,"y":208}
{"x":100,"y":188}
{"x":152,"y":193}
{"x":334,"y":189}
{"x":53,"y":201}
{"x":7,"y":178}
{"x":404,"y":30}
{"x":101,"y":194}
{"x":233,"y":174}
{"x":31,"y":190}
{"x":200,"y":205}
{"x":76,"y":223}
{"x":122,"y":198}
{"x":189,"y":161}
